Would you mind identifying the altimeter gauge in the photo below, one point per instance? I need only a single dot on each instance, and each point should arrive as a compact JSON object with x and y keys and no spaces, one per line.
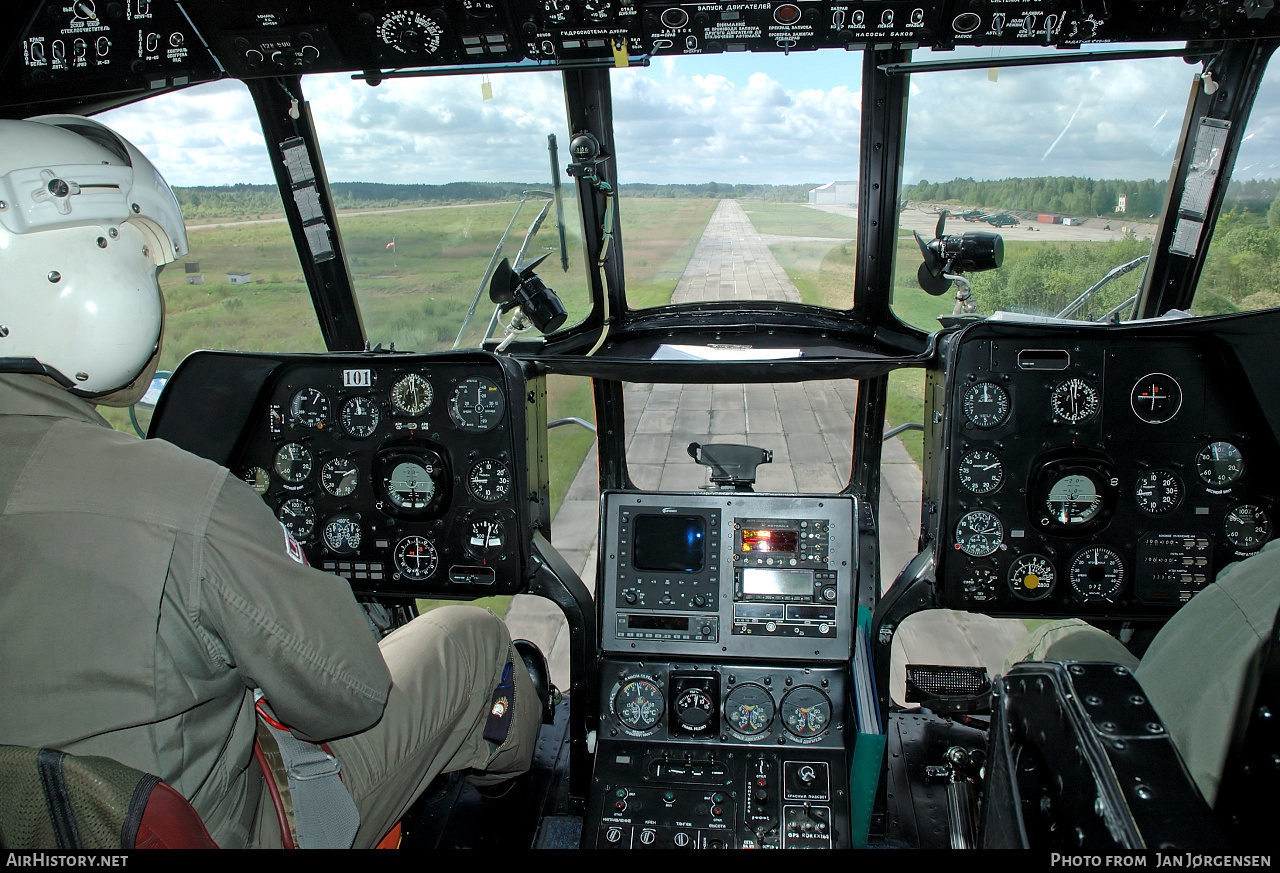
{"x":412,"y":394}
{"x":985,"y":405}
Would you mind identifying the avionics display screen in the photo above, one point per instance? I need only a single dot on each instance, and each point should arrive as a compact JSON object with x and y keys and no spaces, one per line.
{"x":670,"y":543}
{"x":772,"y":582}
{"x":770,"y":540}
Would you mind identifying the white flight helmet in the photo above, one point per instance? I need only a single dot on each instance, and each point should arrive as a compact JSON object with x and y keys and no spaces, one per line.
{"x":85,"y":223}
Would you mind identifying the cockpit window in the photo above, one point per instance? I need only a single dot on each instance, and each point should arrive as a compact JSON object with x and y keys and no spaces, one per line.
{"x":761,"y":150}
{"x":437,"y":181}
{"x":1242,"y":267}
{"x":240,"y":287}
{"x":1067,"y":162}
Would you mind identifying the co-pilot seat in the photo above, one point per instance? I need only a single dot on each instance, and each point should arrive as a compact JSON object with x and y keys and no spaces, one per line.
{"x":1208,"y":673}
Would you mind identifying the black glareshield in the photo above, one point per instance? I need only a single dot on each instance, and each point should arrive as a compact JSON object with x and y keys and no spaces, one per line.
{"x":509,"y":290}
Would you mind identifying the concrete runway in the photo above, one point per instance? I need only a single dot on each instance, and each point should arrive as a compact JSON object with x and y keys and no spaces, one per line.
{"x":807,"y":426}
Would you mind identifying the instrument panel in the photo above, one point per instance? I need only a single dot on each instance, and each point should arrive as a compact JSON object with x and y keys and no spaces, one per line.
{"x":95,"y":46}
{"x":407,"y":475}
{"x":1095,"y":471}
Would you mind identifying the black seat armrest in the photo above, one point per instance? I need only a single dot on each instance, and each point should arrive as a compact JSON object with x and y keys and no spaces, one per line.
{"x":1080,"y":761}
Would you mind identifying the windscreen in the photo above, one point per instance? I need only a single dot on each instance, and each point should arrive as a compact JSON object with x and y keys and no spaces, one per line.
{"x":738,"y":177}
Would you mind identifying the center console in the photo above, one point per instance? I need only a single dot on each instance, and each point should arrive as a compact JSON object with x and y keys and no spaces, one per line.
{"x":727,"y":630}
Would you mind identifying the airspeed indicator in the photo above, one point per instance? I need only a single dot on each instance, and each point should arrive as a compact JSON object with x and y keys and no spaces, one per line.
{"x":412,"y":33}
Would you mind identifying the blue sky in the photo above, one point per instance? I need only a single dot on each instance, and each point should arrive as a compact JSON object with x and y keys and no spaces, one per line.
{"x":748,"y":118}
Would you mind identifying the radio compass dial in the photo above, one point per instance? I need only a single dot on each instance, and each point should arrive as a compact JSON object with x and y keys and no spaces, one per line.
{"x":416,"y":558}
{"x":412,"y":394}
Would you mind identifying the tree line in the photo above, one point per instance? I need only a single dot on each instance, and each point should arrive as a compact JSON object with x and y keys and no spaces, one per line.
{"x":244,"y":200}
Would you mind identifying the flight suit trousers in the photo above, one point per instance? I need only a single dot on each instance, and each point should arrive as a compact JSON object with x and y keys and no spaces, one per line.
{"x":444,"y":667}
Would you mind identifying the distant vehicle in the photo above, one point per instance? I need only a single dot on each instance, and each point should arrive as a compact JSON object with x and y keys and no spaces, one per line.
{"x":973,"y":215}
{"x":1002,"y":219}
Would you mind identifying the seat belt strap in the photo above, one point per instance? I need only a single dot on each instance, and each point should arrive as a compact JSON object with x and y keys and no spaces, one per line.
{"x":324,"y":814}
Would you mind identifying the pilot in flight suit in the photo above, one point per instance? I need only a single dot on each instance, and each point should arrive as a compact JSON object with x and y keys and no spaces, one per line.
{"x":144,"y":592}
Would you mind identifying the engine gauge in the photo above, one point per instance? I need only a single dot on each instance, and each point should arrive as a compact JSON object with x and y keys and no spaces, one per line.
{"x":597,"y":10}
{"x":486,"y":536}
{"x":556,"y":11}
{"x":489,"y":480}
{"x":749,"y":709}
{"x":981,"y":471}
{"x":342,"y":534}
{"x":1031,"y":577}
{"x":979,"y":585}
{"x":638,"y":703}
{"x":477,"y":405}
{"x":339,"y":476}
{"x":1156,"y":398}
{"x":1096,"y":574}
{"x":298,"y":517}
{"x":293,"y":463}
{"x":410,"y":32}
{"x":1073,"y":499}
{"x":309,"y":408}
{"x":258,"y":478}
{"x":1158,"y":492}
{"x":415,"y":558}
{"x":985,"y":405}
{"x":1219,"y":464}
{"x":806,"y":712}
{"x":360,"y":417}
{"x":694,"y":708}
{"x":412,"y":394}
{"x":1247,"y":527}
{"x":979,"y":533}
{"x":1074,"y":400}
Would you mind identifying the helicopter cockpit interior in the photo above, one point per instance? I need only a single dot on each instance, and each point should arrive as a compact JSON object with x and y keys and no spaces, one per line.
{"x":1086,"y":444}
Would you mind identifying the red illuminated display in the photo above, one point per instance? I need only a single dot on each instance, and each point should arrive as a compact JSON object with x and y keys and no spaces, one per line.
{"x":770,"y":540}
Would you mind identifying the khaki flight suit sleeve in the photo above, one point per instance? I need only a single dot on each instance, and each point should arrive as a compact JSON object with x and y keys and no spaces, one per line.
{"x":293,"y":631}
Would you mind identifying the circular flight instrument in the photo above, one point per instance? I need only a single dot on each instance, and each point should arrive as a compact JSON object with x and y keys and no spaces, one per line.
{"x":1158,"y":491}
{"x":258,"y":478}
{"x":486,"y":536}
{"x":412,"y":394}
{"x":342,"y":533}
{"x":985,"y":405}
{"x":309,"y":408}
{"x":749,"y":709}
{"x":1096,"y":574}
{"x":556,"y":11}
{"x":293,"y":463}
{"x":981,"y":471}
{"x":1156,"y":398}
{"x":693,"y":708}
{"x":411,"y":482}
{"x":1031,"y":577}
{"x":1074,"y":400}
{"x":597,"y":10}
{"x":360,"y":417}
{"x":979,"y":585}
{"x":298,"y":517}
{"x":1219,"y":464}
{"x":477,"y":405}
{"x":979,"y":533}
{"x":489,"y":480}
{"x":415,"y":558}
{"x":339,"y":476}
{"x":1073,"y":499}
{"x":410,"y":32}
{"x":806,"y":712}
{"x":1247,"y":527}
{"x":638,"y":703}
